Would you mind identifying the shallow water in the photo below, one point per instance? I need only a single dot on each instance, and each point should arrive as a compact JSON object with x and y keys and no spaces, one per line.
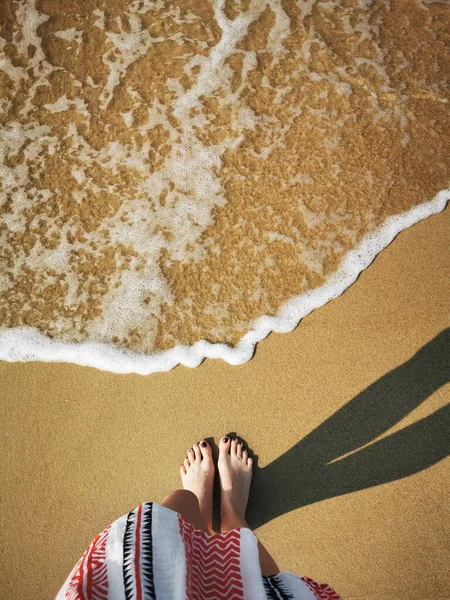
{"x":172,"y":172}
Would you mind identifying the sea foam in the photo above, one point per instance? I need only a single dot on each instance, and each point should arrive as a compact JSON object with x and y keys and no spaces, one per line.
{"x":27,"y":344}
{"x":177,"y":181}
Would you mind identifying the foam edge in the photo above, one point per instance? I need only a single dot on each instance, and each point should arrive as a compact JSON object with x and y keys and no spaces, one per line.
{"x":25,"y":344}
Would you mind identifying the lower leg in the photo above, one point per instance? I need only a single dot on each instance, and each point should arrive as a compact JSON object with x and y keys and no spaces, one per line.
{"x":267,"y":563}
{"x":235,"y":470}
{"x":186,"y":503}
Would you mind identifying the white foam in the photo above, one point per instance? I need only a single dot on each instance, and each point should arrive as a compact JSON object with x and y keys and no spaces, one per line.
{"x":171,"y":205}
{"x":28,"y":344}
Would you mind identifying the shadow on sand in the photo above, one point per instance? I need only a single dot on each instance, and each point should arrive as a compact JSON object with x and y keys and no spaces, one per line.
{"x":306,"y":474}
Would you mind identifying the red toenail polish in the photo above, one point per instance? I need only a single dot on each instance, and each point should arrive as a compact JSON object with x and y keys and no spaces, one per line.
{"x":224,"y":440}
{"x":204,"y":444}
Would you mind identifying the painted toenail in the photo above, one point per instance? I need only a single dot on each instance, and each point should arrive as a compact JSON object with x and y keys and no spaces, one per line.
{"x":225,"y":440}
{"x":204,"y":444}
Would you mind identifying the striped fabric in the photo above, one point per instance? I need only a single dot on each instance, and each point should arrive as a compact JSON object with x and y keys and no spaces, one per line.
{"x":153,"y":553}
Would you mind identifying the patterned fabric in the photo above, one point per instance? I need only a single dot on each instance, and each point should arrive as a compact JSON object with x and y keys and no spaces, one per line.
{"x":137,"y":554}
{"x":90,"y":581}
{"x":212,"y":564}
{"x":153,"y":553}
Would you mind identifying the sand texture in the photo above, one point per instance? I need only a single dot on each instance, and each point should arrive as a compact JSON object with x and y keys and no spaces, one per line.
{"x":172,"y":172}
{"x":364,"y":379}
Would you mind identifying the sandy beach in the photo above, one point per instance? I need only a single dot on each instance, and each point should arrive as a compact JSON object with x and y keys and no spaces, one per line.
{"x":174,"y":173}
{"x":362,"y":379}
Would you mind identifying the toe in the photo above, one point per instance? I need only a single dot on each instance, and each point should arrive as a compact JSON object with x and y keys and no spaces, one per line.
{"x":182,"y":470}
{"x":239,"y":449}
{"x":191,"y":455}
{"x":205,"y":449}
{"x":244,"y":456}
{"x":249,"y":462}
{"x":198,"y":454}
{"x":234,"y":444}
{"x":187,"y":464}
{"x":224,"y":446}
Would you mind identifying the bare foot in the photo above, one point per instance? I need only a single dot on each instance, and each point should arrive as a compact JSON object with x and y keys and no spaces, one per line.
{"x":197,"y":476}
{"x":235,"y":470}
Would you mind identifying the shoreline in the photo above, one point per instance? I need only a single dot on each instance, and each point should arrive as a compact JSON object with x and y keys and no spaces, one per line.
{"x":25,"y":344}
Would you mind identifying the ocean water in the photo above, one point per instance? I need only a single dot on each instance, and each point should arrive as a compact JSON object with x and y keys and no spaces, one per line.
{"x":178,"y":179}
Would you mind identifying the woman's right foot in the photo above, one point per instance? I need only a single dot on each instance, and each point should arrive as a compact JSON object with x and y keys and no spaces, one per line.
{"x":235,"y":472}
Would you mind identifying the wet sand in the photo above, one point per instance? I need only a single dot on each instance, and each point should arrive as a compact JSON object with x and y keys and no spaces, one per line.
{"x":174,"y":172}
{"x":80,"y":446}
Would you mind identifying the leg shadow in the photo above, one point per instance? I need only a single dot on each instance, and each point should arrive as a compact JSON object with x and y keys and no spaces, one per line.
{"x":313,"y":469}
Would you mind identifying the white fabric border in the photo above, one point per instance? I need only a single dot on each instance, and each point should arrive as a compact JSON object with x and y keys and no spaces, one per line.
{"x":169,"y":555}
{"x":250,"y":568}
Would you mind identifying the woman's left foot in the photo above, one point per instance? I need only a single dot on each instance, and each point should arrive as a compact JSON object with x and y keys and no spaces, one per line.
{"x":197,"y":476}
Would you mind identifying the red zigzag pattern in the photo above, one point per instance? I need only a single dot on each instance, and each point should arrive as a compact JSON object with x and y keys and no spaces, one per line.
{"x":89,"y":581}
{"x":213,"y":564}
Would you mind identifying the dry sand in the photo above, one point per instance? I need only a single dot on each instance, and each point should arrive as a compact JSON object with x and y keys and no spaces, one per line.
{"x":81,"y":447}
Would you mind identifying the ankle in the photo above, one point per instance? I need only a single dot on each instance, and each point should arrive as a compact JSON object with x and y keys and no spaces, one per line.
{"x":228,"y":524}
{"x":231,"y":517}
{"x":231,"y":503}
